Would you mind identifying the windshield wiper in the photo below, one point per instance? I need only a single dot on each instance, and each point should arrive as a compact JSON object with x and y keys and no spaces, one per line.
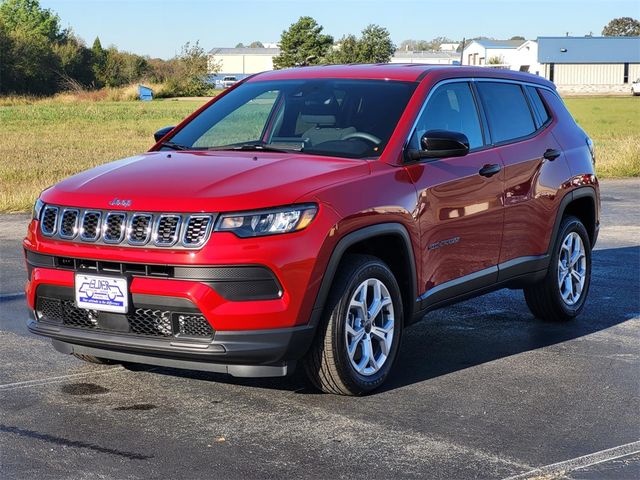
{"x":258,"y":147}
{"x":174,"y":146}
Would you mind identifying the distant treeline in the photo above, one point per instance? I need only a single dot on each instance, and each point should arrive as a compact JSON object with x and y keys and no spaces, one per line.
{"x":38,"y":57}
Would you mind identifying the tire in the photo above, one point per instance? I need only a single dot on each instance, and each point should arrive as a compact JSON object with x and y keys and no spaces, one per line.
{"x":328,"y":364}
{"x":92,"y":359}
{"x":550,"y":301}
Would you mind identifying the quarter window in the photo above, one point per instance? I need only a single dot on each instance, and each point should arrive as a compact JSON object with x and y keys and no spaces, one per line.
{"x":507,"y":111}
{"x":538,"y":106}
{"x":451,"y":107}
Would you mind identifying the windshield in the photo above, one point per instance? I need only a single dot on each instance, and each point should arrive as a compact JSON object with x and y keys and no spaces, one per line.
{"x":338,"y":117}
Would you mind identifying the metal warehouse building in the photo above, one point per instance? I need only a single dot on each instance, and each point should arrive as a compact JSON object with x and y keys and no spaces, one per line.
{"x":590,"y":64}
{"x":241,"y":62}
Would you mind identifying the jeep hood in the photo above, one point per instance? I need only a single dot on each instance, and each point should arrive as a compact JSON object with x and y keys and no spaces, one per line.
{"x":203,"y":181}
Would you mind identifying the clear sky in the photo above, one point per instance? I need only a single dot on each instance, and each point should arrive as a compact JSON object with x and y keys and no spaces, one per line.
{"x":159,"y":27}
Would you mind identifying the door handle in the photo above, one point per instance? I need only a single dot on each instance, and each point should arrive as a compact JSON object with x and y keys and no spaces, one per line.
{"x":490,"y":170}
{"x":551,"y":154}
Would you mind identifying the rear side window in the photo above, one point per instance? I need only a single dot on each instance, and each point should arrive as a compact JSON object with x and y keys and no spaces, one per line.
{"x":507,"y":111}
{"x":451,"y":107}
{"x":538,"y":106}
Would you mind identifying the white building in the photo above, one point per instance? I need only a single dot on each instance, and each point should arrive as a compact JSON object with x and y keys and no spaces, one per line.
{"x":590,"y":64}
{"x":520,"y":55}
{"x":241,"y":62}
{"x":449,"y":47}
{"x":440,"y":58}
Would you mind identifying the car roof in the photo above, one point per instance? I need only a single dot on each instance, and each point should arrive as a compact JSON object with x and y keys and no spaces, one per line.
{"x":408,"y":72}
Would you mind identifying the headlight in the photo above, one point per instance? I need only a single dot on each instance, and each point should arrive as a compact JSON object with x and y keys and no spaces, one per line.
{"x":267,"y":222}
{"x":37,"y":208}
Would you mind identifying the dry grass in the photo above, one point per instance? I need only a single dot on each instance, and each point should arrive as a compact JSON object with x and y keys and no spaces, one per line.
{"x":45,"y":140}
{"x":614,"y":125}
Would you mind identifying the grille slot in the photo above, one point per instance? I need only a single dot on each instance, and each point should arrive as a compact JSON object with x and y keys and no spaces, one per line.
{"x":90,"y":230}
{"x":49,"y":220}
{"x":166,"y":230}
{"x":114,"y":227}
{"x":194,"y":326}
{"x":139,"y":228}
{"x":197,"y":230}
{"x":69,"y":223}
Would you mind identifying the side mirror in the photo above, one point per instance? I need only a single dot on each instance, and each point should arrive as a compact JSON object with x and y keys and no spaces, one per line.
{"x":161,"y":133}
{"x":440,"y":144}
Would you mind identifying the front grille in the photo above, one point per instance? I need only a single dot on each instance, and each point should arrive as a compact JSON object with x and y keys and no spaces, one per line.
{"x":50,"y":310}
{"x":69,"y":223}
{"x":197,"y":229}
{"x":90,"y":226}
{"x":148,"y":322}
{"x":194,"y":326}
{"x":114,"y":227}
{"x":49,"y":220}
{"x":137,"y":229}
{"x":166,"y":232}
{"x":78,"y":317}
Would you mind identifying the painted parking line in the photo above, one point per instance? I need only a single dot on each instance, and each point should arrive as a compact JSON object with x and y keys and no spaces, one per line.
{"x":581,"y":462}
{"x":62,"y":378}
{"x":7,"y":297}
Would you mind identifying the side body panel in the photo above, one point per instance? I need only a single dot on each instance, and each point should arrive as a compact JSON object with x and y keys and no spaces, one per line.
{"x":533,"y":190}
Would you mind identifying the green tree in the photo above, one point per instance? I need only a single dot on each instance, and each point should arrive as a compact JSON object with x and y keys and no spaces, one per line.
{"x":31,"y":33}
{"x":75,"y":60}
{"x":375,"y":45}
{"x":623,"y":27}
{"x":345,"y":51}
{"x":28,"y":15}
{"x":98,"y":62}
{"x":256,"y":44}
{"x":303,"y":44}
{"x":240,"y":45}
{"x":7,"y":79}
{"x":517,"y":37}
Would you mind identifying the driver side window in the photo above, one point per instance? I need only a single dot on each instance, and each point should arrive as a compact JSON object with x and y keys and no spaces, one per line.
{"x":451,"y":107}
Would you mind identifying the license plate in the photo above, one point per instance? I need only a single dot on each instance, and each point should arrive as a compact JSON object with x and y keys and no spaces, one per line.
{"x":98,"y":292}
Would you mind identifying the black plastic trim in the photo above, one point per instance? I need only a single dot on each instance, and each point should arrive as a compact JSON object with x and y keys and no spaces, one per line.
{"x":514,"y":273}
{"x":233,"y":282}
{"x":342,"y":246}
{"x":580,"y":192}
{"x":254,"y":347}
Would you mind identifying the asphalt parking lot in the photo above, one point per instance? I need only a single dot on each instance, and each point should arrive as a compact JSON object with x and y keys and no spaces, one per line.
{"x":481,"y":390}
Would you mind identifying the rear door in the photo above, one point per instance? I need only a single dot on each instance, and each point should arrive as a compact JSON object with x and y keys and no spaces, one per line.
{"x":519,"y":125}
{"x":459,"y":210}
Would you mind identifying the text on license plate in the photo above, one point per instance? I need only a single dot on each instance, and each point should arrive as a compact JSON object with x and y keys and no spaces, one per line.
{"x":97,"y":292}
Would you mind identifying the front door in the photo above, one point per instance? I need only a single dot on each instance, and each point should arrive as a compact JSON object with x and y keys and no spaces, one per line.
{"x":460,"y":200}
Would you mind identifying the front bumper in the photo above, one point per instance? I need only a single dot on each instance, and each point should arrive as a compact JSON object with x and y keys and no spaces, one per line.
{"x":262,"y":353}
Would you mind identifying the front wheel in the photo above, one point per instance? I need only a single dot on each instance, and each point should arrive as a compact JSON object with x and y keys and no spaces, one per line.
{"x":562,"y":294}
{"x":358,"y":339}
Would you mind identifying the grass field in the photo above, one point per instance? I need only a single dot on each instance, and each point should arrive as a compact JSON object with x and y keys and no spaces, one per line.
{"x":42,"y":142}
{"x":614,"y":125}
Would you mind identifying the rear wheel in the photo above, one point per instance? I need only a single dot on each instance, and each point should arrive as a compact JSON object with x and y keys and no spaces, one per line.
{"x":358,"y":340}
{"x":562,"y":294}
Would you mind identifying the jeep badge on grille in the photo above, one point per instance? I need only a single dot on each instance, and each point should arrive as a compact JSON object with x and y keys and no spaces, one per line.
{"x":116,"y":202}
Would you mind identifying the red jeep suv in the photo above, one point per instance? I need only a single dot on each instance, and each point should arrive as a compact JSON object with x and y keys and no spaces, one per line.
{"x":310,"y":215}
